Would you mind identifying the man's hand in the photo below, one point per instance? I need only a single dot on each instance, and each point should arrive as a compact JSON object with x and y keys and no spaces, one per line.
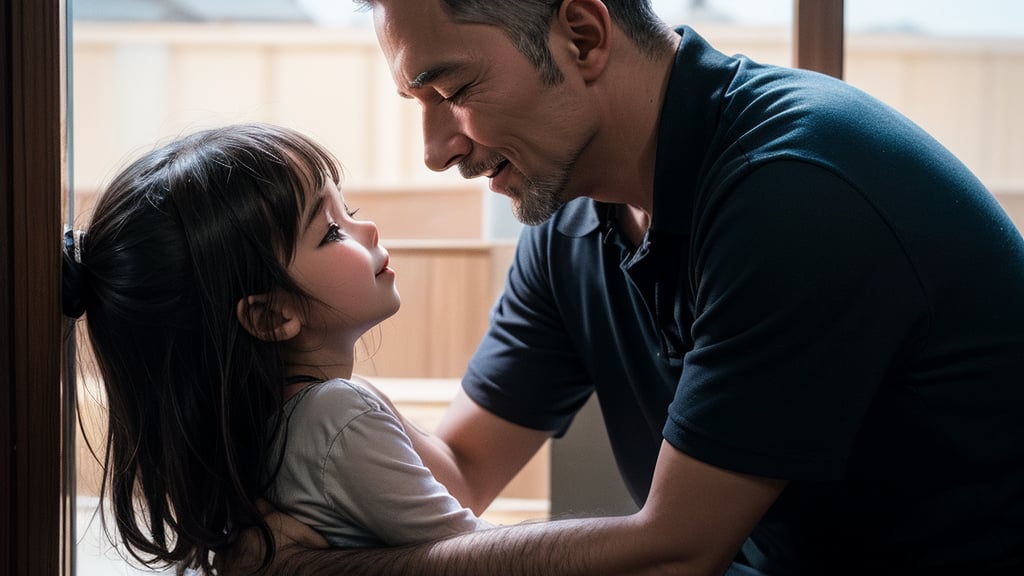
{"x":289,"y":534}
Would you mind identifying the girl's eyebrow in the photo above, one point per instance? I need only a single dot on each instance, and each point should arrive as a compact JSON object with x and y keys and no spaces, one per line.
{"x":314,"y":210}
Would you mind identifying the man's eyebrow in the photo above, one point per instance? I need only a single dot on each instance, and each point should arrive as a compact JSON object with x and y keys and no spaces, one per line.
{"x":433,"y":74}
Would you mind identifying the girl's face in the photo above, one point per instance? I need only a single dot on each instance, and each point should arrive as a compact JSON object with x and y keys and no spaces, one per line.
{"x":340,"y":263}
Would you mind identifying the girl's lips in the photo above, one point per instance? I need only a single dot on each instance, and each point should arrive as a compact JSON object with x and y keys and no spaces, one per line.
{"x":384,"y":268}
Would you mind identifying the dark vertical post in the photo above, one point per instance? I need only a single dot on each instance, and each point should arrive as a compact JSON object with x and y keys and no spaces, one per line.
{"x":32,"y":148}
{"x":818,"y":36}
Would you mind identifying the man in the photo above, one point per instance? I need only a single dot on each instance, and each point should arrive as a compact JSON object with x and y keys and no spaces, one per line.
{"x":801,"y":315}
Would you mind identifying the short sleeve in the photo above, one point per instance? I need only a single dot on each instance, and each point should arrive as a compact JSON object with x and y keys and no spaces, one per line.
{"x":527,"y":369}
{"x":374,"y":476}
{"x":804,"y":299}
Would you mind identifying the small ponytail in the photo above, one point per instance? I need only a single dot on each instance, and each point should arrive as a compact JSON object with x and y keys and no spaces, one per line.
{"x":76,"y":289}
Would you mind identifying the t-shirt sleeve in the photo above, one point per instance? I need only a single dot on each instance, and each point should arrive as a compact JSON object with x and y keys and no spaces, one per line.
{"x":804,"y":297}
{"x":374,"y":476}
{"x":527,"y":369}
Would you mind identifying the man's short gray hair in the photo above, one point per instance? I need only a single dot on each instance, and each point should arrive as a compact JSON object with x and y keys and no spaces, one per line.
{"x":527,"y":22}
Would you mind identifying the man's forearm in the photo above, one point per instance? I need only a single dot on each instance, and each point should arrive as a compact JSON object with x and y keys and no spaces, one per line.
{"x":693,"y":525}
{"x":550,"y":548}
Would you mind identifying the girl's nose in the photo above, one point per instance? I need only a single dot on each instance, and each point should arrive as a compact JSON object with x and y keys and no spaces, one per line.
{"x":371,"y":233}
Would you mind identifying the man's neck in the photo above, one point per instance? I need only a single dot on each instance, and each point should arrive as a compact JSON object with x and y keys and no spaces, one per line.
{"x":629,"y":142}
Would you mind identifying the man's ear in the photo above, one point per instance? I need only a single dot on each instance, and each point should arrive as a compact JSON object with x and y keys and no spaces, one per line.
{"x":588,"y":26}
{"x":271,"y":320}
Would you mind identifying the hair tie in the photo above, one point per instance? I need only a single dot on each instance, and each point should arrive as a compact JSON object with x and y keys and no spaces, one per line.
{"x":75,"y":286}
{"x":79,"y":236}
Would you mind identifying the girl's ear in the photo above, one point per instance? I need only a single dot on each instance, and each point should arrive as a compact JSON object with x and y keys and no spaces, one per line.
{"x":268,"y":320}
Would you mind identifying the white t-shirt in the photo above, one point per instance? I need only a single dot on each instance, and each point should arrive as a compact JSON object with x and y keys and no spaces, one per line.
{"x":350,"y":472}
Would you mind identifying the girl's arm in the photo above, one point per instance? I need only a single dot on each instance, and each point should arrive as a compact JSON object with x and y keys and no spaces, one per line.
{"x":436,"y":455}
{"x":370,"y":481}
{"x":475,"y":454}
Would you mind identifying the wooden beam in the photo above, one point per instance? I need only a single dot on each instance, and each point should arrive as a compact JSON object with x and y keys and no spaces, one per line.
{"x":818,"y":36}
{"x":32,"y":92}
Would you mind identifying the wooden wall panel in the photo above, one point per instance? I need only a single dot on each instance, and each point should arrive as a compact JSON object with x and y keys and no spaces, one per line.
{"x":766,"y":45}
{"x":1003,"y":122}
{"x":432,"y":214}
{"x":1013,"y":203}
{"x":945,"y":94}
{"x":206,"y":85}
{"x":323,"y":89}
{"x":335,"y":85}
{"x":447,"y":291}
{"x":95,"y":97}
{"x":140,"y":83}
{"x":454,"y":212}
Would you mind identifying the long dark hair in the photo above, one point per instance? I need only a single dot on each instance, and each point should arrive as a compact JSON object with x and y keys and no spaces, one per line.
{"x":177,"y":239}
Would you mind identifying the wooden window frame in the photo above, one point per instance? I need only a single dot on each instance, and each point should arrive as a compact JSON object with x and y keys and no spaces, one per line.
{"x":32,"y":182}
{"x":818,"y":36}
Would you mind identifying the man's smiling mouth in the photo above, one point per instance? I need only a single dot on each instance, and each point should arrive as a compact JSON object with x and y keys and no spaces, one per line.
{"x":497,"y":169}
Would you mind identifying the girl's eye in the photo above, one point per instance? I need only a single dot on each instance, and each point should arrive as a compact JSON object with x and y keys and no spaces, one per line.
{"x":334,"y":234}
{"x":350,"y":211}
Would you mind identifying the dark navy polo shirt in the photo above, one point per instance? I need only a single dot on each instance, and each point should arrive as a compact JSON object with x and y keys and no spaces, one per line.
{"x":825,"y":295}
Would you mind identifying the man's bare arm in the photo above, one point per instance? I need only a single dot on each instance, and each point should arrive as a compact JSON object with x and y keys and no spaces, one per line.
{"x":488,"y":451}
{"x":694,"y":521}
{"x":513,"y":551}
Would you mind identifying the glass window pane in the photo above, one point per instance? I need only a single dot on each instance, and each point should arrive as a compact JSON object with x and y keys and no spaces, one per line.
{"x":955,"y":68}
{"x":760,"y":29}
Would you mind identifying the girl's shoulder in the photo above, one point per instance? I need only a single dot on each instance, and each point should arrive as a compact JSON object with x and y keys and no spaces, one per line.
{"x":338,"y":394}
{"x":322,"y":412}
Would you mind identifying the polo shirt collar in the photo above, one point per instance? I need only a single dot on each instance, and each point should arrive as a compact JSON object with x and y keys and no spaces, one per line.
{"x":689,"y":117}
{"x":580,"y":217}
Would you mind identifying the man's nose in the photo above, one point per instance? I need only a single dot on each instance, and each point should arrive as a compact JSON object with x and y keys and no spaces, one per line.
{"x":444,"y":143}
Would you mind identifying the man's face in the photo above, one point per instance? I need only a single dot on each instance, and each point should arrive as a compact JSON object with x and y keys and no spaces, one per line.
{"x":485,"y":108}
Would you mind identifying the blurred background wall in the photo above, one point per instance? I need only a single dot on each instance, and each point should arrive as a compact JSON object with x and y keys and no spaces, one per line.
{"x":145,"y":71}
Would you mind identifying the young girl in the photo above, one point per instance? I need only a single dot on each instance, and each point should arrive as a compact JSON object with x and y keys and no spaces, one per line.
{"x":225,"y":284}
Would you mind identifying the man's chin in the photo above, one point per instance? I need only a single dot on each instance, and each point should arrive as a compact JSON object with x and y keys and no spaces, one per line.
{"x":531,"y":215}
